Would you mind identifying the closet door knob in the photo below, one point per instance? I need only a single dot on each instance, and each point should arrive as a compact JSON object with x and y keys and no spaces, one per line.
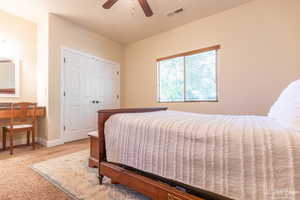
{"x":97,"y":102}
{"x":93,"y":101}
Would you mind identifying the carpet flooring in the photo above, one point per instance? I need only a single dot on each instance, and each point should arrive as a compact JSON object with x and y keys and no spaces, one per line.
{"x":19,"y":182}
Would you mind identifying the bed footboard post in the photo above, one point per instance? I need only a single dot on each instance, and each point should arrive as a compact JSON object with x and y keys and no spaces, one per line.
{"x":102,"y":117}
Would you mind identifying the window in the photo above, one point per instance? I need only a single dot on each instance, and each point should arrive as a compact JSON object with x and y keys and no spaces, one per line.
{"x":187,"y":77}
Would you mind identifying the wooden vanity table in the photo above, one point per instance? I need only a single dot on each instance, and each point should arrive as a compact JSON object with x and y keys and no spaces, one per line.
{"x":10,"y":88}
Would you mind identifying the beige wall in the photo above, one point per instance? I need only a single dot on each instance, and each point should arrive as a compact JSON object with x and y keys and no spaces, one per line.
{"x":42,"y":71}
{"x":62,"y":33}
{"x":20,"y":36}
{"x":259,"y":57}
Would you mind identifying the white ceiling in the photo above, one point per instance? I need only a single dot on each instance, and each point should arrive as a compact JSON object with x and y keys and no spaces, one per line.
{"x":125,"y":21}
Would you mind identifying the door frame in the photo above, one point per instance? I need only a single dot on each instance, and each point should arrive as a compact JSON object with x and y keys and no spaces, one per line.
{"x":62,"y":82}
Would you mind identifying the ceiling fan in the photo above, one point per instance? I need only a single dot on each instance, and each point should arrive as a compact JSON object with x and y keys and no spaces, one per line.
{"x":144,"y":4}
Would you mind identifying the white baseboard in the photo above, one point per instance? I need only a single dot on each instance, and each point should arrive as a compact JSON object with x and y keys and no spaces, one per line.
{"x":50,"y":143}
{"x":75,"y":137}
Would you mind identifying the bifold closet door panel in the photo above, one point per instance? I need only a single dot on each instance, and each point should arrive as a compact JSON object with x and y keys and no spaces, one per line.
{"x":78,"y":95}
{"x":112,"y":86}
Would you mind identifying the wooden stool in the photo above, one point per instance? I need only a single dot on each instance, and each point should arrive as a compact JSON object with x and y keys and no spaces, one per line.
{"x":20,"y":122}
{"x":94,"y":149}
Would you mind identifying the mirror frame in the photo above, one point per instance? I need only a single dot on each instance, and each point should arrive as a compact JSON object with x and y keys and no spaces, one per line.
{"x":17,"y":79}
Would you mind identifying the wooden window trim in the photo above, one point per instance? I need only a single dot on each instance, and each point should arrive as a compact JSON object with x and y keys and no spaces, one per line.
{"x":197,"y":51}
{"x":8,"y":91}
{"x":189,"y":53}
{"x":189,"y":101}
{"x":5,"y":61}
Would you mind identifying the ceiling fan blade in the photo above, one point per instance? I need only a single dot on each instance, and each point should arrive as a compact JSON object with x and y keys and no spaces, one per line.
{"x":147,"y":9}
{"x":109,"y":3}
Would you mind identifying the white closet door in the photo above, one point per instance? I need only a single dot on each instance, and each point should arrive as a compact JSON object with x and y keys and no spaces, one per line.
{"x":90,"y":84}
{"x":88,"y":71}
{"x":111,"y":86}
{"x":79,"y":110}
{"x":97,"y":78}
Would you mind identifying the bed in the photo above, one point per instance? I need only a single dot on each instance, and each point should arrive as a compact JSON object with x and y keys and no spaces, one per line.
{"x":152,"y":150}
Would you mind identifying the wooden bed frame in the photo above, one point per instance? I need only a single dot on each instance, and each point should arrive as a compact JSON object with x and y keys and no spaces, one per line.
{"x":152,"y":186}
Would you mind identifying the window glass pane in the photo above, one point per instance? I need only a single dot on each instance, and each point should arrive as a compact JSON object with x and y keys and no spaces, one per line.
{"x":171,"y":79}
{"x":201,"y":77}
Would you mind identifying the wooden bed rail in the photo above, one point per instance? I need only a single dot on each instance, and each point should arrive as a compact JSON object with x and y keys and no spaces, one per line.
{"x":103,"y":116}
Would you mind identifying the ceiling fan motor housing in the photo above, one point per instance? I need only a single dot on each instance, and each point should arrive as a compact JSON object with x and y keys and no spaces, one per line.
{"x":144,"y":4}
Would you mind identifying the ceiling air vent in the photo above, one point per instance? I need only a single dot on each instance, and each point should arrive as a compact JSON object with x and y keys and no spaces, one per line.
{"x":175,"y":12}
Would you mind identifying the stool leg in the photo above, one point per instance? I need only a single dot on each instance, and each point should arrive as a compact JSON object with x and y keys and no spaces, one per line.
{"x":100,"y":179}
{"x":4,"y":138}
{"x":11,"y":142}
{"x":28,"y":138}
{"x":33,"y":138}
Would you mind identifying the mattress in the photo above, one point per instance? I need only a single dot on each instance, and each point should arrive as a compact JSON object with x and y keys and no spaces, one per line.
{"x":241,"y":157}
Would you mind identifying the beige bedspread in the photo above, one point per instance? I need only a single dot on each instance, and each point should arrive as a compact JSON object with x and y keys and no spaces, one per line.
{"x":242,"y":157}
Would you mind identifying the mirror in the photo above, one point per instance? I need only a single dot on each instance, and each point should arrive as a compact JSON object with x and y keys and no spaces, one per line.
{"x":9,"y":78}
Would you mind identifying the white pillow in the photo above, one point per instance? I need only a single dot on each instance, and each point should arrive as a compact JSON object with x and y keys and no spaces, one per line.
{"x":287,"y":107}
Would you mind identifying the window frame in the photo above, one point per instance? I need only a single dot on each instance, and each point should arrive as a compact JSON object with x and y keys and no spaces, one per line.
{"x":184,"y":55}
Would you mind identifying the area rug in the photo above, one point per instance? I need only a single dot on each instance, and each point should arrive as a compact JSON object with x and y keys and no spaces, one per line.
{"x":71,"y":174}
